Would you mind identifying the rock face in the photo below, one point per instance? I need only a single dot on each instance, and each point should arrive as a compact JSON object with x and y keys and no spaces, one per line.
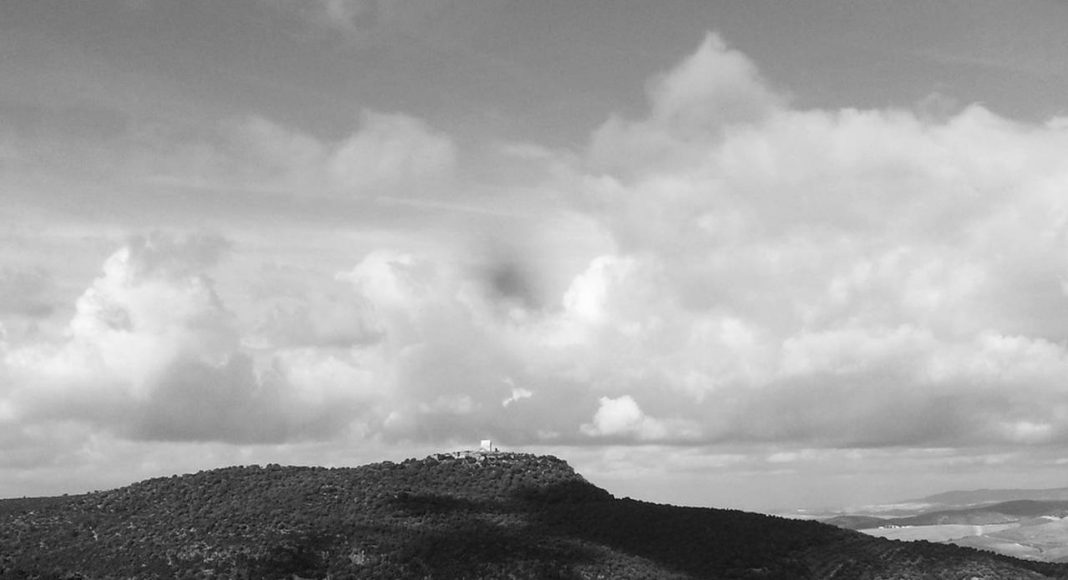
{"x":452,"y":515}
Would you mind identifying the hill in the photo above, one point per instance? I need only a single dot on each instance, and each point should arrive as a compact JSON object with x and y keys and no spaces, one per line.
{"x":987,"y":514}
{"x":1022,"y":528}
{"x":464,"y":515}
{"x":968,"y":498}
{"x":999,"y":513}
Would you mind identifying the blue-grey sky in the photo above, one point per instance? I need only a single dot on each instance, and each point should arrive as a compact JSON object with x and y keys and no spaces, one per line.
{"x":748,"y":254}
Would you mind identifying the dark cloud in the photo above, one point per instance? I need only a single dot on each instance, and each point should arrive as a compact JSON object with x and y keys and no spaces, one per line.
{"x":513,"y":281}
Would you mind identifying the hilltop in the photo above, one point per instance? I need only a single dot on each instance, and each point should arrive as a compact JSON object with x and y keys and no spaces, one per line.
{"x":460,"y":515}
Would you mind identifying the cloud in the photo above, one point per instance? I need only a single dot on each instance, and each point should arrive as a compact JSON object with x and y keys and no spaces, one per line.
{"x":349,"y":14}
{"x":322,"y":321}
{"x":328,"y":316}
{"x":361,"y":20}
{"x":725,"y":270}
{"x":518,"y":394}
{"x":385,"y":155}
{"x":153,"y":353}
{"x":283,"y":156}
{"x":402,"y":346}
{"x":388,"y":154}
{"x":845,"y":278}
{"x":623,"y":417}
{"x":751,"y":282}
{"x":25,"y":292}
{"x":691,"y":106}
{"x":392,"y":152}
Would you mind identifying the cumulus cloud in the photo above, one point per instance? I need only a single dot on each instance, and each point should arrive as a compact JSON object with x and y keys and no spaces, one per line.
{"x":691,"y":106}
{"x":153,"y":353}
{"x":828,"y":278}
{"x":840,"y":277}
{"x":622,"y":417}
{"x":748,"y":273}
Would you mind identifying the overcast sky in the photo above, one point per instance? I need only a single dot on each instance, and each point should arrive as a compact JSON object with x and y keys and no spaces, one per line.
{"x":751,"y":254}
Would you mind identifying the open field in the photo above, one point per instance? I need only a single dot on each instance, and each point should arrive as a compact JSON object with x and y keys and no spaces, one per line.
{"x":940,"y":533}
{"x":1008,"y":548}
{"x":1044,"y":538}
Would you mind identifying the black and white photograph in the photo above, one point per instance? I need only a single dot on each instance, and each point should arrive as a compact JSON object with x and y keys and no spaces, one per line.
{"x":533,"y":289}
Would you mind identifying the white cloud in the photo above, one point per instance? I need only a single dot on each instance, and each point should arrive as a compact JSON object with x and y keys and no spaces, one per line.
{"x":755,"y":274}
{"x":822,"y":269}
{"x":621,"y":417}
{"x":690,"y":108}
{"x":152,"y":353}
{"x":393,"y":154}
{"x":518,"y":394}
{"x":386,"y":154}
{"x":773,"y":274}
{"x":588,"y":296}
{"x":1028,"y":432}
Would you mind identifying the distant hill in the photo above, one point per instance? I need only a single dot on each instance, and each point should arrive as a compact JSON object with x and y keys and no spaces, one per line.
{"x":986,"y":514}
{"x":980,"y":496}
{"x":467,"y":515}
{"x":999,"y":513}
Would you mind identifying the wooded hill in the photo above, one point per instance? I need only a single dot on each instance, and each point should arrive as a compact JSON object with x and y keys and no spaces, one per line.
{"x":475,"y":515}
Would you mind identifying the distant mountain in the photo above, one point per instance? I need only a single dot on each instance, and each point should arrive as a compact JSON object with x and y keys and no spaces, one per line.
{"x":466,"y":515}
{"x":981,"y":496}
{"x":987,"y":514}
{"x":999,"y":513}
{"x":1022,"y":523}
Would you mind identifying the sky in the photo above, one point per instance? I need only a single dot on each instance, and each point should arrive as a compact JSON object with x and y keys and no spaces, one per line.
{"x":756,"y":254}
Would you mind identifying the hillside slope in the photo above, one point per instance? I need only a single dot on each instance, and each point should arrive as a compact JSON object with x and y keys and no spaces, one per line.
{"x":476,"y":515}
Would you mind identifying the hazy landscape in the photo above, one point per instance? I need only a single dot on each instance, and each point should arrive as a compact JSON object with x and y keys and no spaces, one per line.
{"x":1029,"y":524}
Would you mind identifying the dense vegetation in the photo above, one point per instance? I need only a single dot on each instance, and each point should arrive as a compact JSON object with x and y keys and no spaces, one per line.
{"x":478,"y":515}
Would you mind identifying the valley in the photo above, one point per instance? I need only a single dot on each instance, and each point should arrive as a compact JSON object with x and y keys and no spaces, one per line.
{"x":1028,"y":524}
